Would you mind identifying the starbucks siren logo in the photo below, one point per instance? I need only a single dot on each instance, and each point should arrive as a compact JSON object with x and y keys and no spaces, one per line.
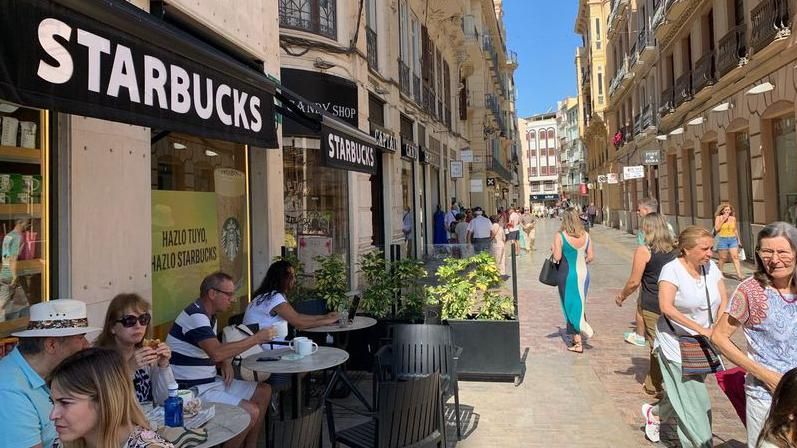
{"x":231,"y":238}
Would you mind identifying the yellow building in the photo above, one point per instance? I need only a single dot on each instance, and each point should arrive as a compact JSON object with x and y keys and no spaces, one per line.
{"x":714,"y":96}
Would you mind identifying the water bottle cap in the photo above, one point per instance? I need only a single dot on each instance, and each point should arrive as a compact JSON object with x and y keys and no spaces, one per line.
{"x":173,"y":386}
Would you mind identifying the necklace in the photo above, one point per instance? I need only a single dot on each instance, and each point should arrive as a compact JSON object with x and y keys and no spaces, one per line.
{"x":784,"y":298}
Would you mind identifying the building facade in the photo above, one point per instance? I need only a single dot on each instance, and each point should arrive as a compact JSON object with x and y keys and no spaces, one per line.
{"x":710,"y":85}
{"x":571,"y":153}
{"x":593,"y":91}
{"x":541,"y":165}
{"x":273,"y":127}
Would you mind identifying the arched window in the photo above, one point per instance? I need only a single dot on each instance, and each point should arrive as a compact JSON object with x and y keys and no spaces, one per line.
{"x":532,"y":137}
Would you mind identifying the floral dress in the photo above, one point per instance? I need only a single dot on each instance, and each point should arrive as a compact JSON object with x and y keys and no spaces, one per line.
{"x":139,"y":438}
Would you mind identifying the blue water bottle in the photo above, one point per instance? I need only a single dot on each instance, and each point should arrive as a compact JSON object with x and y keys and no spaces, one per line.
{"x":173,"y":408}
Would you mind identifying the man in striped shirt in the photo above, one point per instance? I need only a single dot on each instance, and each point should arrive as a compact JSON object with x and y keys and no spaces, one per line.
{"x":196,"y":352}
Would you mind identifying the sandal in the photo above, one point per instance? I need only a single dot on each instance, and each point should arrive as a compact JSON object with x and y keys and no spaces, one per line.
{"x":576,"y":348}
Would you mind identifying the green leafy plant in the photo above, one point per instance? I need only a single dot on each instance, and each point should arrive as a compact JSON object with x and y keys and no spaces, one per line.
{"x":331,"y":281}
{"x":465,"y":283}
{"x":392,"y":283}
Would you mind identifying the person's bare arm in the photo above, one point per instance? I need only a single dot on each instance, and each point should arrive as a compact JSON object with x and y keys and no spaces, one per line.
{"x":219,"y":352}
{"x":590,"y":251}
{"x":304,"y":321}
{"x":641,"y":258}
{"x":667,"y":292}
{"x":556,"y":247}
{"x":721,"y":338}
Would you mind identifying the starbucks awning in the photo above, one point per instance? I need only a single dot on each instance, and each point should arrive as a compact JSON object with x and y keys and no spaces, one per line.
{"x":111,"y":60}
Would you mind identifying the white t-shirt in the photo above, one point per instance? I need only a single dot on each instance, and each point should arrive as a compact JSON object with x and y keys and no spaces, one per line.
{"x":480,"y":227}
{"x":259,"y":312}
{"x":690,"y":300}
{"x":514,"y":222}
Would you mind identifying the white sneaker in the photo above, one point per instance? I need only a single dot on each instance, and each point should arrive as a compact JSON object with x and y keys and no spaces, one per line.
{"x":634,"y":339}
{"x":651,"y":425}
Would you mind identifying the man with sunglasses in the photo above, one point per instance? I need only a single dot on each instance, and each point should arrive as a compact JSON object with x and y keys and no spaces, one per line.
{"x":197,"y":352}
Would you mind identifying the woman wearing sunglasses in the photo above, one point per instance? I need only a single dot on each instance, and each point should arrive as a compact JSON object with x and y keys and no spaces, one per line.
{"x":126,"y":324}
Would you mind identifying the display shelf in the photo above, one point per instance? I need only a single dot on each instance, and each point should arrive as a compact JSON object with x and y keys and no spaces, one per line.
{"x":15,"y":210}
{"x":9,"y":326}
{"x":21,"y":155}
{"x":30,"y":267}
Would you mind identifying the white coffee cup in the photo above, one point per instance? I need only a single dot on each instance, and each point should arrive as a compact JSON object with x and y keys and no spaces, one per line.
{"x":303,"y":346}
{"x":281,"y":329}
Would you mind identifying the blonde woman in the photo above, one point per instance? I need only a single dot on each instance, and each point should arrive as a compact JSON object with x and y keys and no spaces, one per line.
{"x":727,"y":233}
{"x":656,"y":250}
{"x":497,"y":244}
{"x":572,"y":249}
{"x":691,"y":295}
{"x":127,"y":321}
{"x":94,"y":405}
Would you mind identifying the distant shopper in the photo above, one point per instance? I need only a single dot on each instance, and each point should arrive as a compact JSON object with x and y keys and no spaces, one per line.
{"x":479,"y":230}
{"x":572,"y":249}
{"x":528,"y":224}
{"x":687,"y":286}
{"x":727,"y":232}
{"x":780,"y":428}
{"x":649,"y":259}
{"x":765,"y":306}
{"x":592,"y":212}
{"x":513,"y":230}
{"x":450,"y":219}
{"x":497,"y":243}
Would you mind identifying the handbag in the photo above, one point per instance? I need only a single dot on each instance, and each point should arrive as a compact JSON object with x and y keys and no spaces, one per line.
{"x":235,"y":333}
{"x":731,"y":382}
{"x":549,"y":275}
{"x":698,"y":356}
{"x":742,"y":254}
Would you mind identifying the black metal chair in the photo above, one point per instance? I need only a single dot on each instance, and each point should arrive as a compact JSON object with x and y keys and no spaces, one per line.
{"x":418,"y":350}
{"x":407,"y":415}
{"x":302,"y":432}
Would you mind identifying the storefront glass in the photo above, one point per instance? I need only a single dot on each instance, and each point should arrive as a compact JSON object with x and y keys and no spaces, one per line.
{"x":24,"y":223}
{"x":786,"y":154}
{"x":200,"y":218}
{"x":407,"y":216}
{"x":316,"y":205}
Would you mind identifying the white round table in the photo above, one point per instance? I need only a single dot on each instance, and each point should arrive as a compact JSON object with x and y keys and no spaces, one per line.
{"x":358,"y":323}
{"x":324,"y":358}
{"x":228,"y":423}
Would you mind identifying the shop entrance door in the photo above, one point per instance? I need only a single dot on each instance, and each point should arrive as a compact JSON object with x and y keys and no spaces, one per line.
{"x":744,"y":191}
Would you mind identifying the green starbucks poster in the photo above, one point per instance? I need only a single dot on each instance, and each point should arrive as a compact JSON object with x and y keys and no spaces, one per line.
{"x":185,"y":248}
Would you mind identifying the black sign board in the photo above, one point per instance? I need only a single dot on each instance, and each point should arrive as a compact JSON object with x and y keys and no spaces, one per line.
{"x":423,"y":156}
{"x":110,"y":60}
{"x":544,"y":197}
{"x":409,"y":150}
{"x":342,"y":149}
{"x":384,"y":138}
{"x":651,"y":157}
{"x":490,"y":181}
{"x":324,"y":93}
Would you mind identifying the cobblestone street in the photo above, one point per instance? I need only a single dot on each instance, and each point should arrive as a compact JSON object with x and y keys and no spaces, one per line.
{"x":566,"y":399}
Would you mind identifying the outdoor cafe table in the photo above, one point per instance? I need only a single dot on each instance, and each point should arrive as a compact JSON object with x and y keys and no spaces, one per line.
{"x":228,"y":422}
{"x":325,"y":358}
{"x":358,"y":323}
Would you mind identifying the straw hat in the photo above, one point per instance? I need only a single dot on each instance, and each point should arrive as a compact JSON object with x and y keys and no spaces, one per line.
{"x":57,"y":318}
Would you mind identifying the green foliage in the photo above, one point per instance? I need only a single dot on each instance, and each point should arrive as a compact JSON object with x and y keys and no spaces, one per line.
{"x":331,"y":280}
{"x":386,"y":281}
{"x":465,"y":282}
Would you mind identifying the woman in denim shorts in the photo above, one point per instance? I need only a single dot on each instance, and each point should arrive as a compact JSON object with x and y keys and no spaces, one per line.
{"x":727,"y":237}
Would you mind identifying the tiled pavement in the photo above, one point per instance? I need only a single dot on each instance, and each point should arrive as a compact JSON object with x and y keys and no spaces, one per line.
{"x":566,"y":399}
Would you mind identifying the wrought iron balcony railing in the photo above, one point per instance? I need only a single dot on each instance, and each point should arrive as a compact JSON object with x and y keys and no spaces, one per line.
{"x":683,"y":88}
{"x":703,"y":74}
{"x":770,"y":20}
{"x":404,"y":79}
{"x":371,"y":49}
{"x":732,"y":50}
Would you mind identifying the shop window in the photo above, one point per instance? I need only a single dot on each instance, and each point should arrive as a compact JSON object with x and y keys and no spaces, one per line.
{"x":316,"y":205}
{"x":786,"y":155}
{"x":314,"y":16}
{"x":24,"y":186}
{"x":200,"y":219}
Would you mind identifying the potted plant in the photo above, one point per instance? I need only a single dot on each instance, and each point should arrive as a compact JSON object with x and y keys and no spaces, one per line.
{"x":331,"y":283}
{"x":482,"y":319}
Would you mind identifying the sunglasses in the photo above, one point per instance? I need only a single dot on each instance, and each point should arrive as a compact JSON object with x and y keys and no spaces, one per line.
{"x":130,"y":320}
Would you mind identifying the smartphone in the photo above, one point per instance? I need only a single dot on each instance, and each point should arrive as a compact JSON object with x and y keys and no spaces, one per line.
{"x":268,"y":358}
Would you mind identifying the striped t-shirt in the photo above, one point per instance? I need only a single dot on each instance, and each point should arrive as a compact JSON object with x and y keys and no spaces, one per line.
{"x":190,"y":363}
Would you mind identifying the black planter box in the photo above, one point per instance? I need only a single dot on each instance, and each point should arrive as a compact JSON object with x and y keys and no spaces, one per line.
{"x":490,"y":349}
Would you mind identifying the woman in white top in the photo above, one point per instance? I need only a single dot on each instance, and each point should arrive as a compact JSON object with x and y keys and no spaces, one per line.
{"x":687,"y":285}
{"x":269,"y":306}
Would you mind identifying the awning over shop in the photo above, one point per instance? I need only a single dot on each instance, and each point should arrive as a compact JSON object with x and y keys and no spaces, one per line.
{"x":545,"y":197}
{"x":110,"y":60}
{"x":345,"y":147}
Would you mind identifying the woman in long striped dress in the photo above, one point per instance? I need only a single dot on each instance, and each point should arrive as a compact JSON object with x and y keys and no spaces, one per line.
{"x":572,"y":249}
